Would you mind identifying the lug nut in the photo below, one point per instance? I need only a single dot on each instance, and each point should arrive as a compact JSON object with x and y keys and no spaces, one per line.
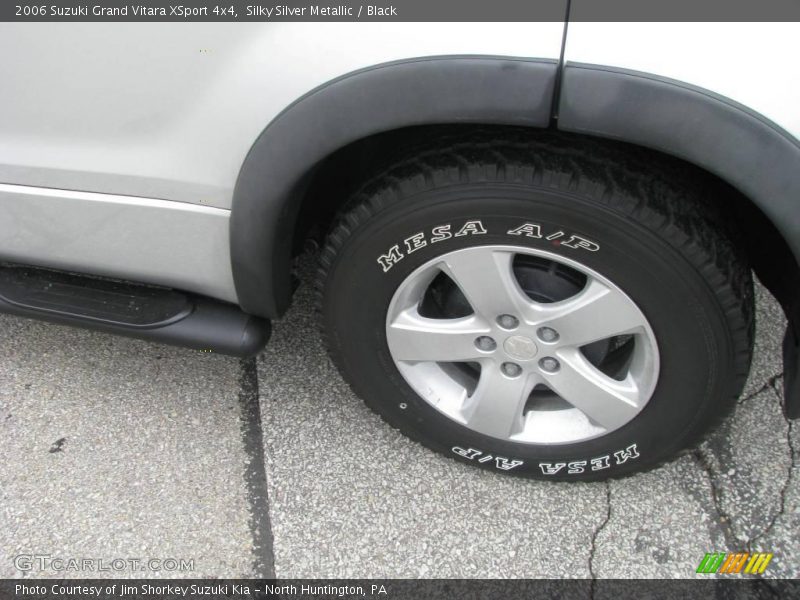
{"x":549,"y":364}
{"x":508,"y":321}
{"x":548,"y":334}
{"x":485,"y":343}
{"x":511,"y":369}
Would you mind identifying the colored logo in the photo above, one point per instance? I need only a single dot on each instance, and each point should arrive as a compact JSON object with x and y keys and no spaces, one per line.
{"x":735,"y":562}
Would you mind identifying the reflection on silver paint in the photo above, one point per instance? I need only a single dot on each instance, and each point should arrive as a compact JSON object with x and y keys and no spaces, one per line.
{"x":167,"y":110}
{"x":175,"y":244}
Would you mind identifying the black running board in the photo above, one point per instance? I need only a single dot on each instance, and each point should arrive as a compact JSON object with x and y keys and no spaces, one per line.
{"x":139,"y":311}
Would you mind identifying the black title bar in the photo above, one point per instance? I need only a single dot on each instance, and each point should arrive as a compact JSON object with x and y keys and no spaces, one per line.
{"x":400,"y":10}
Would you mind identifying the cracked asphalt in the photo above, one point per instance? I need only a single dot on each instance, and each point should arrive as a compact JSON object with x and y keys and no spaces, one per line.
{"x":117,"y":449}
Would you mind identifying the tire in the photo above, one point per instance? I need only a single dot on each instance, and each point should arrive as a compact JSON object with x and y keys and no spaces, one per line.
{"x":579,"y":235}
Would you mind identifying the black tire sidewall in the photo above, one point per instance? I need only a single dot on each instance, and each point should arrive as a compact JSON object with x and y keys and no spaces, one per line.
{"x":696,"y":357}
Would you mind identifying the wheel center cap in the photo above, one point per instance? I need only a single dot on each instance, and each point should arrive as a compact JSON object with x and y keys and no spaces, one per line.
{"x":520,"y":347}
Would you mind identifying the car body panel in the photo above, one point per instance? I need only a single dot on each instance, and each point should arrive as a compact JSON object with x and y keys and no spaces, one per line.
{"x":162,"y":115}
{"x":174,"y":244}
{"x":170,"y":111}
{"x":750,"y":63}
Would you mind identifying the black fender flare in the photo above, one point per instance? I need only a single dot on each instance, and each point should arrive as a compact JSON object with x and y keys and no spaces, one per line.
{"x":421,"y":91}
{"x":723,"y":137}
{"x":740,"y":146}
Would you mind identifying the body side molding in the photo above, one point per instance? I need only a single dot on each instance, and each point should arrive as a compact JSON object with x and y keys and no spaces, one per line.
{"x":426,"y":91}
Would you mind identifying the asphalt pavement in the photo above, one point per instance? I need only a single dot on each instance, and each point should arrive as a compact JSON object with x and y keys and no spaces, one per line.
{"x":148,"y":460}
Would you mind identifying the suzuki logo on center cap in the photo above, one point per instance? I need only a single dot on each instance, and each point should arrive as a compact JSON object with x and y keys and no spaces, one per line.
{"x":520,"y":347}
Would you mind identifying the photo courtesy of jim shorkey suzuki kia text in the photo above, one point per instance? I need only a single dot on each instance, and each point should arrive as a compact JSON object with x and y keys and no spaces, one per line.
{"x":201,"y":590}
{"x":337,"y":295}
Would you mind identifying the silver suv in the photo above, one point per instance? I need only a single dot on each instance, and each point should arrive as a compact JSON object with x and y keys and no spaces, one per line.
{"x":536,"y":246}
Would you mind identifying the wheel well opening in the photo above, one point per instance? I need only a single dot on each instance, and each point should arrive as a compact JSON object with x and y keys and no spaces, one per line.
{"x":329,"y":184}
{"x":325,"y":189}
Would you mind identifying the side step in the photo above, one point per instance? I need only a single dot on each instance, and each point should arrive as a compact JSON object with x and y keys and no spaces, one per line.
{"x":140,"y":311}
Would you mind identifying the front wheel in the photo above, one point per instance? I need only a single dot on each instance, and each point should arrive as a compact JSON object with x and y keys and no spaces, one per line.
{"x":536,"y":308}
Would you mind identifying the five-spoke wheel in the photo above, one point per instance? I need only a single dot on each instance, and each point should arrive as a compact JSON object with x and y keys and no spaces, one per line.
{"x":522,"y":365}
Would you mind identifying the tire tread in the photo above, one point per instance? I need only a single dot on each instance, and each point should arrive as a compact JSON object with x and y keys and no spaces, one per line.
{"x":662,"y":194}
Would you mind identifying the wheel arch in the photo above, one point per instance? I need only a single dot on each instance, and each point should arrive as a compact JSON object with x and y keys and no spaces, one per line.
{"x":723,"y":138}
{"x":739,"y":146}
{"x":423,"y":91}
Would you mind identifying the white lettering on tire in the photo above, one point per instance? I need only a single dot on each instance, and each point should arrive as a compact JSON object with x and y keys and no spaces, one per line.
{"x":576,"y":466}
{"x":388,"y":260}
{"x":527,"y":229}
{"x":550,"y":468}
{"x":415,"y":242}
{"x":500,"y":462}
{"x":598,"y":463}
{"x":440,"y":233}
{"x":577,"y":241}
{"x":471,"y":228}
{"x":623,"y":455}
{"x":444,"y":232}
